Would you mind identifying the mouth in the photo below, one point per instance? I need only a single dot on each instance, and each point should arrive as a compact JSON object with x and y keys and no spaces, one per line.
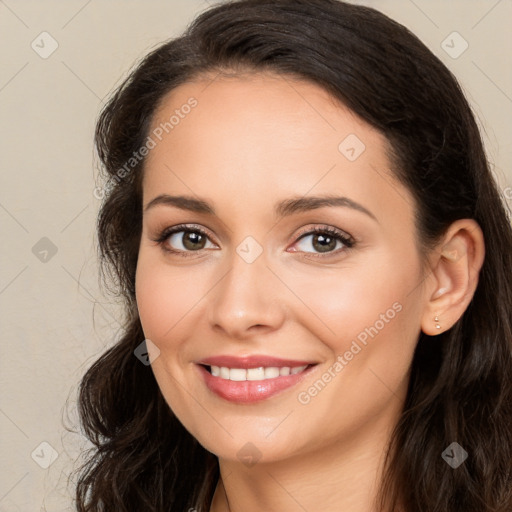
{"x":246,"y":383}
{"x":254,"y":374}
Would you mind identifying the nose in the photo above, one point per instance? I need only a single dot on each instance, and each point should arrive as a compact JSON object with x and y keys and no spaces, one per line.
{"x":247,"y":301}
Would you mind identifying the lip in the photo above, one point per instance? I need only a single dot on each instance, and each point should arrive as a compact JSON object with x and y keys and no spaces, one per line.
{"x":254,"y":361}
{"x":248,"y":392}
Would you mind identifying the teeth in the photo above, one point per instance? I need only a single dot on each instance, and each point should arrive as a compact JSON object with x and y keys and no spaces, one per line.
{"x":261,"y":373}
{"x":237,"y":374}
{"x":256,"y":373}
{"x":271,"y":373}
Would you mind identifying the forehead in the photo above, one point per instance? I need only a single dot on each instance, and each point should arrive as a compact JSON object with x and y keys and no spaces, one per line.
{"x":255,"y":138}
{"x":262,"y":114}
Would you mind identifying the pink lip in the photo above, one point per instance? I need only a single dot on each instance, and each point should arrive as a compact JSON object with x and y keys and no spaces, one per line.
{"x":247,"y":392}
{"x":255,"y":361}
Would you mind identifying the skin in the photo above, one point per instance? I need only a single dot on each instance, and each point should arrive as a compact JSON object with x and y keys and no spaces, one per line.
{"x":254,"y":140}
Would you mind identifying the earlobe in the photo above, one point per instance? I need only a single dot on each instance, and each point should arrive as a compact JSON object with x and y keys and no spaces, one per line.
{"x":455,"y":270}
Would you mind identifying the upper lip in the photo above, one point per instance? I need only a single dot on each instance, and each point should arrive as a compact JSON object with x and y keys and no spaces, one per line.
{"x":254,"y":361}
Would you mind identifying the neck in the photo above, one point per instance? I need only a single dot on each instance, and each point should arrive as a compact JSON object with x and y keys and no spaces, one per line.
{"x":341,"y":476}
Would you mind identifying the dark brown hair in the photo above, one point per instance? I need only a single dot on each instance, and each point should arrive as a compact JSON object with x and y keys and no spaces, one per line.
{"x":461,"y":380}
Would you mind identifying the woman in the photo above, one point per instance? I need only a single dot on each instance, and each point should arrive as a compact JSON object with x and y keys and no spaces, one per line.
{"x":315,"y":263}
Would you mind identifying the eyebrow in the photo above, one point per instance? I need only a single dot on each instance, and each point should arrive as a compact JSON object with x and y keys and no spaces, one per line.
{"x":282,"y":209}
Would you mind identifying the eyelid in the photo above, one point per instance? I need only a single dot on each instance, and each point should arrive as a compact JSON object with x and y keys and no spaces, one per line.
{"x":324,"y":228}
{"x":164,"y":234}
{"x":345,"y":238}
{"x":167,"y":232}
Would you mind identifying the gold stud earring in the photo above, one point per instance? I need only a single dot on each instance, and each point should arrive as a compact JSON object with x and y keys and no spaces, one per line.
{"x":436,"y":320}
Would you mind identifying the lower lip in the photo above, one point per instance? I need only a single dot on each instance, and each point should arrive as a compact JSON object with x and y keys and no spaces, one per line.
{"x":250,"y":391}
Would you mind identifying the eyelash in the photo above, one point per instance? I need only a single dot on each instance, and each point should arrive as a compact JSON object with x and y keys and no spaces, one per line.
{"x":347,"y":241}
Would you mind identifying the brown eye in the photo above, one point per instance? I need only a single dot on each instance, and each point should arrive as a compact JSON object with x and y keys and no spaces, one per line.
{"x":193,"y":241}
{"x":187,"y":240}
{"x":323,"y":241}
{"x":184,"y":240}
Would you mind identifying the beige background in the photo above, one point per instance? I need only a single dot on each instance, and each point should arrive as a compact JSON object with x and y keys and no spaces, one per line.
{"x":55,"y":319}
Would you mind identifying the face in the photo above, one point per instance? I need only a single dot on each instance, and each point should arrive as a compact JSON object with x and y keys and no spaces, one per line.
{"x":275,"y":238}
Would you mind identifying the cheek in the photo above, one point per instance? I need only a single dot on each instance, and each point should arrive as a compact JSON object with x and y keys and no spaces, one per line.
{"x":373,"y":327}
{"x":165,"y":295}
{"x":167,"y":300}
{"x":358,"y":303}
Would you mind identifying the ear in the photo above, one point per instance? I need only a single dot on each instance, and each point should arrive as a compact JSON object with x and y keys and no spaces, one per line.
{"x":455,"y":267}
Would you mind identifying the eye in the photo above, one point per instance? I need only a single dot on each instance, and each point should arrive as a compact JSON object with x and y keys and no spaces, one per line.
{"x":324,"y":240}
{"x":183,"y":239}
